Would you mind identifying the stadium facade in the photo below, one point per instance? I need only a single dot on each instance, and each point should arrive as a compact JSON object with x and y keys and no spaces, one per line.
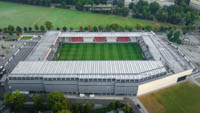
{"x":164,"y":65}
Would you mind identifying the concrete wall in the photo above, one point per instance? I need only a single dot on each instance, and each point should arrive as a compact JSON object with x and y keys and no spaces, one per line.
{"x":161,"y":83}
{"x":133,"y":39}
{"x":26,"y":85}
{"x":67,"y":40}
{"x":111,"y":39}
{"x":62,"y":86}
{"x":88,"y":39}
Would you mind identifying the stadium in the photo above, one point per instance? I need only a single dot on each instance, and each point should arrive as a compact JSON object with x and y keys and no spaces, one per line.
{"x":100,"y":63}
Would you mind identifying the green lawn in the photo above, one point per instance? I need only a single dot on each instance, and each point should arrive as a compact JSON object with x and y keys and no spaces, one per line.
{"x":181,"y":98}
{"x":27,"y":15}
{"x":80,"y":51}
{"x":26,"y":38}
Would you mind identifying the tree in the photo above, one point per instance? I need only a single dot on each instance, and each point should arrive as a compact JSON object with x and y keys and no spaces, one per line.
{"x":169,"y":35}
{"x":88,"y":107}
{"x":42,"y":28}
{"x":108,"y":28}
{"x":81,"y":28}
{"x":139,"y":26}
{"x":127,"y":108}
{"x":157,"y":27}
{"x":117,"y":104}
{"x":64,"y":111}
{"x":58,"y":29}
{"x":18,"y":30}
{"x":162,"y":15}
{"x":154,"y":7}
{"x":190,"y":17}
{"x":176,"y":36}
{"x":30,"y":28}
{"x":79,"y":5}
{"x":36,"y":27}
{"x":71,"y":28}
{"x":64,"y":29}
{"x":1,"y":30}
{"x":11,"y":29}
{"x":48,"y":25}
{"x":95,"y":29}
{"x":14,"y":101}
{"x":57,"y":101}
{"x":131,"y":5}
{"x":148,"y":27}
{"x":38,"y":102}
{"x":86,"y":28}
{"x":101,"y":27}
{"x":112,"y":105}
{"x":89,"y":28}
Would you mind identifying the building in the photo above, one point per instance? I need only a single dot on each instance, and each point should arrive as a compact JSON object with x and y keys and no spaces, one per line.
{"x":164,"y":66}
{"x":195,"y":4}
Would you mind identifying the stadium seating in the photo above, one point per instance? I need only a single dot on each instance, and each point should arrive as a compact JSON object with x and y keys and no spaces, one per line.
{"x":77,"y":39}
{"x":100,"y":39}
{"x":123,"y":39}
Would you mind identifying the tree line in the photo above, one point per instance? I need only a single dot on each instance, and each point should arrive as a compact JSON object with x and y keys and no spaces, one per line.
{"x":56,"y":102}
{"x":101,"y":28}
{"x":179,"y":13}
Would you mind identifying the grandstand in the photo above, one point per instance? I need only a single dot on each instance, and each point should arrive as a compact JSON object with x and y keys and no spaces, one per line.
{"x":41,"y":72}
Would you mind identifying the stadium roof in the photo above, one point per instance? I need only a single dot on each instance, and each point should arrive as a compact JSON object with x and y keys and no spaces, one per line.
{"x":90,"y":69}
{"x":44,"y":46}
{"x":103,"y":34}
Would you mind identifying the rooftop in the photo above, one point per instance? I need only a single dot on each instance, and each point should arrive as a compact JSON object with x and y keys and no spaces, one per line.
{"x":90,"y":69}
{"x":44,"y":46}
{"x":103,"y":34}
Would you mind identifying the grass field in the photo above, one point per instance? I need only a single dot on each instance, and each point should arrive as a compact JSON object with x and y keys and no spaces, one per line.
{"x":122,"y":51}
{"x":27,"y":15}
{"x":181,"y":98}
{"x":26,"y":38}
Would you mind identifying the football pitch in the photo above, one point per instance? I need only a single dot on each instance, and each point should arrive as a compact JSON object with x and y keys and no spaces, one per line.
{"x":100,"y":51}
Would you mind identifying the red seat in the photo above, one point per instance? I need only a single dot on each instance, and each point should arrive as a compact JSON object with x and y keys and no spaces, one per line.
{"x":122,"y":39}
{"x":77,"y":39}
{"x":100,"y":39}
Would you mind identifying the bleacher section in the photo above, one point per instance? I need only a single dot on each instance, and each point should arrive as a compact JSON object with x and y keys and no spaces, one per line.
{"x":77,"y":39}
{"x":123,"y":39}
{"x":100,"y":39}
{"x":145,"y":49}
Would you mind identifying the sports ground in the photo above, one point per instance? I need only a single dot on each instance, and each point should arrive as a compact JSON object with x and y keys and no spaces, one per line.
{"x":181,"y":98}
{"x":98,"y":51}
{"x":28,"y":15}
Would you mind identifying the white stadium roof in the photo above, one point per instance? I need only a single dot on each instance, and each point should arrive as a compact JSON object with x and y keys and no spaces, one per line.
{"x":43,"y":47}
{"x":103,"y":34}
{"x":89,"y":69}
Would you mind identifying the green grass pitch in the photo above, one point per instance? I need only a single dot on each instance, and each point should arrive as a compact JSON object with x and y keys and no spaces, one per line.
{"x":100,"y":51}
{"x":29,"y":15}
